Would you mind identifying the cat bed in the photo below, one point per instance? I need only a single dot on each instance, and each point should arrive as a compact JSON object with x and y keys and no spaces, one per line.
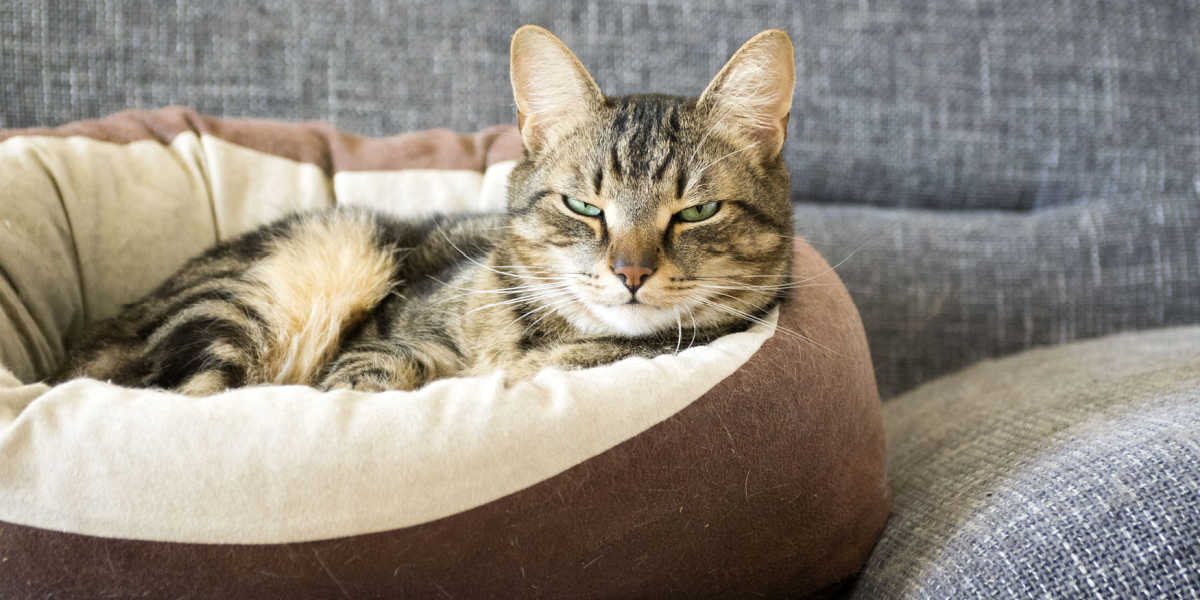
{"x":753,"y":465}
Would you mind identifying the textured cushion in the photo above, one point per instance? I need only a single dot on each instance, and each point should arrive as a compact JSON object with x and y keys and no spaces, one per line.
{"x":1068,"y":472}
{"x":753,"y":465}
{"x":941,"y":290}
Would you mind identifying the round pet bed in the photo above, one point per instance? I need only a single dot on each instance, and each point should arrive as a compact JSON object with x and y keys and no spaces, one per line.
{"x":753,"y":465}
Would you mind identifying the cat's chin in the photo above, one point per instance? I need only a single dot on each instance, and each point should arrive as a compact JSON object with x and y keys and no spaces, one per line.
{"x":630,"y":320}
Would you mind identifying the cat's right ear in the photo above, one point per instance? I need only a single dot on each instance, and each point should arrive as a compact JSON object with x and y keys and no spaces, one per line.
{"x":551,"y":88}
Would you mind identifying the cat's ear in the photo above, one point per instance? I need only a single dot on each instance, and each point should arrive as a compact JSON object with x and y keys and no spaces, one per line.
{"x":750,"y":99}
{"x":550,"y":86}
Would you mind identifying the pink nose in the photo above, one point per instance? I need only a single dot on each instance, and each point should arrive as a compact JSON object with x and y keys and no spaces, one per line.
{"x":633,"y":275}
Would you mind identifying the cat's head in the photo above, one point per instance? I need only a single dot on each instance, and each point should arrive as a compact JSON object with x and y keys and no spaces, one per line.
{"x":640,"y":214}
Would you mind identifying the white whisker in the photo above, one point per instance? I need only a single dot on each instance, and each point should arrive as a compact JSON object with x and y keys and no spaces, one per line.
{"x":477,"y":263}
{"x":550,"y":309}
{"x":522,"y":299}
{"x":696,"y":176}
{"x":679,"y":331}
{"x":749,"y":317}
{"x":692,"y":315}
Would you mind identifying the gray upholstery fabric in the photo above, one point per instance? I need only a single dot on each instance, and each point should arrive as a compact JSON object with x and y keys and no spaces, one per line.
{"x":940,"y":290}
{"x":951,"y":104}
{"x":1069,"y":472}
{"x":948,"y":104}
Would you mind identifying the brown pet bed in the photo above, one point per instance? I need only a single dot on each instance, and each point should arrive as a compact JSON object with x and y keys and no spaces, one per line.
{"x":750,"y":466}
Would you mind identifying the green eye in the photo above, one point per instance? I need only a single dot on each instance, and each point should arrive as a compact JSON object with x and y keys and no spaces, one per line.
{"x":698,"y":212}
{"x":583,"y":208}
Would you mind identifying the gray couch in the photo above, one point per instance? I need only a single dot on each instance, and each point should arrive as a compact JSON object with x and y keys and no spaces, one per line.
{"x":990,"y":177}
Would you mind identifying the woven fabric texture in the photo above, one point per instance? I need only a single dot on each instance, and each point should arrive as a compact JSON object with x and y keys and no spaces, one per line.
{"x":947,"y":104}
{"x":1070,"y":472}
{"x":941,"y":290}
{"x":994,"y":111}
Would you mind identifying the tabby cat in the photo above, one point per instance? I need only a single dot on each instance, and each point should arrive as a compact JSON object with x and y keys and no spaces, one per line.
{"x":635,"y":225}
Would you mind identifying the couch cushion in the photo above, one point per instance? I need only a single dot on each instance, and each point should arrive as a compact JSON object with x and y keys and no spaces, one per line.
{"x":1067,"y":472}
{"x":939,"y":290}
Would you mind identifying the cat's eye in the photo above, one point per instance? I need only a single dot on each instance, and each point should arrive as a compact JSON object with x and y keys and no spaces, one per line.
{"x":698,"y":212}
{"x":581,"y":207}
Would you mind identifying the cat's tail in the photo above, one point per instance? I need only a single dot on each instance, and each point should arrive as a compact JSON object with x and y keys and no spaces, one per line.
{"x":317,"y":283}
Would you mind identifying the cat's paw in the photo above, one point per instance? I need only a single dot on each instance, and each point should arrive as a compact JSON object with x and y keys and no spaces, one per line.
{"x":361,"y":380}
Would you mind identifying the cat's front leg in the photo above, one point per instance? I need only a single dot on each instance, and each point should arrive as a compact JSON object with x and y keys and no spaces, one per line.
{"x":378,"y":366}
{"x":570,"y":356}
{"x":370,"y":374}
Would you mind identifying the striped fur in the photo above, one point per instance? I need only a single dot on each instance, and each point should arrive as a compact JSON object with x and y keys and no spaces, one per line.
{"x":349,"y":299}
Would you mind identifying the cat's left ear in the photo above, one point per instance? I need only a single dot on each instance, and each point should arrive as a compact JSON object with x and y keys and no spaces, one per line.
{"x":751,"y":98}
{"x":550,"y":86}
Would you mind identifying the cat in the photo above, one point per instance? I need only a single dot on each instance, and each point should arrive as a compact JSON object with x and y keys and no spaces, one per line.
{"x":635,"y":225}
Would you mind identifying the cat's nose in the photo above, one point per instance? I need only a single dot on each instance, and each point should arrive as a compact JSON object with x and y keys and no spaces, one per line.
{"x":633,"y":276}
